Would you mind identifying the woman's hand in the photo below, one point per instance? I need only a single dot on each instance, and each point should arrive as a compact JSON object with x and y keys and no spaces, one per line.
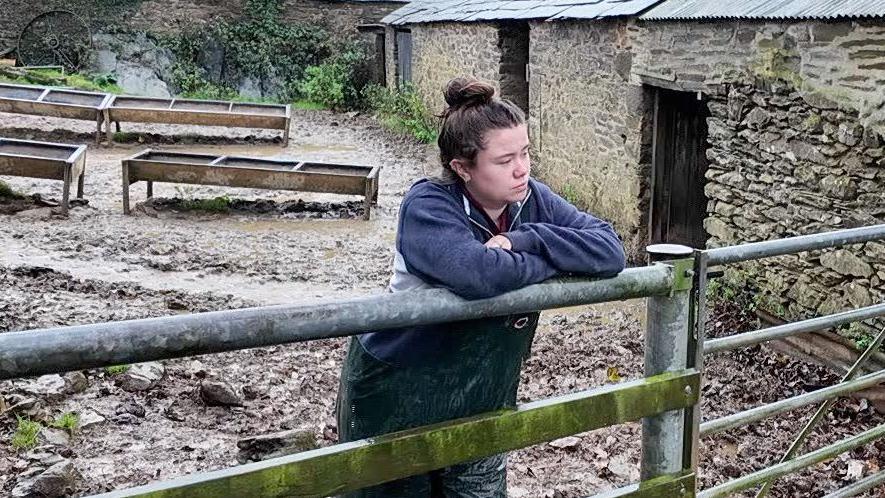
{"x":499,"y":241}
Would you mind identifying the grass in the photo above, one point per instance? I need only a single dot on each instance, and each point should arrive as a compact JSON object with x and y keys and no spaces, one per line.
{"x":219,"y":204}
{"x":67,"y":421}
{"x":25,"y":436}
{"x":408,"y":126}
{"x":570,"y":193}
{"x":8,"y":192}
{"x":126,"y":136}
{"x":89,"y":82}
{"x":116,"y":369}
{"x":306,"y":105}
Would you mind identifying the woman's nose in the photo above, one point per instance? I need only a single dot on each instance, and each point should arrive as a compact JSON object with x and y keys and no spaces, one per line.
{"x":522,"y":168}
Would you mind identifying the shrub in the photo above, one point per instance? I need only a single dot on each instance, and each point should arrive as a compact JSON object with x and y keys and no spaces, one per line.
{"x":402,"y":110}
{"x":335,"y":83}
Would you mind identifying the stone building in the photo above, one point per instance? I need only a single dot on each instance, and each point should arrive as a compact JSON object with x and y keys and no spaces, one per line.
{"x":690,"y":121}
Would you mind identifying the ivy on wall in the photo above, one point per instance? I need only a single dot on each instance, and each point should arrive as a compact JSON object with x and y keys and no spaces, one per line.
{"x":257,"y":46}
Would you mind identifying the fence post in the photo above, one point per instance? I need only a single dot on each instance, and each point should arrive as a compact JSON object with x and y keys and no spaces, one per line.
{"x":667,"y":336}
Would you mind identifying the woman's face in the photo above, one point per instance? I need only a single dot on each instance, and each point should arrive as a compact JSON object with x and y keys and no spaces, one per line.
{"x":500,"y":172}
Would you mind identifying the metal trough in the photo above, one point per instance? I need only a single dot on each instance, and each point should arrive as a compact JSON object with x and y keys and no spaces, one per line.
{"x":197,"y":112}
{"x":249,"y":172}
{"x":102,"y":108}
{"x":55,"y":102}
{"x":45,"y":160}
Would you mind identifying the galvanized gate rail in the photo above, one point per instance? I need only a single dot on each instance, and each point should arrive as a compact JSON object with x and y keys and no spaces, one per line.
{"x":666,"y":400}
{"x":661,"y":397}
{"x":704,"y":260}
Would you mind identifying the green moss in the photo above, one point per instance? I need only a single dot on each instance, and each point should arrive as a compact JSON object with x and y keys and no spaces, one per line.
{"x":306,"y":105}
{"x":569,"y":193}
{"x":219,"y":204}
{"x":25,"y":436}
{"x":126,"y":136}
{"x":116,"y":369}
{"x":774,"y":64}
{"x":90,"y":82}
{"x":67,"y":421}
{"x":7,"y":192}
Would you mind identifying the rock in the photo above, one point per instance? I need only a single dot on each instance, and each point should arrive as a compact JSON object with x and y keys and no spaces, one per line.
{"x":846,"y":263}
{"x":21,"y":404}
{"x":174,"y":412}
{"x":871,"y":138}
{"x":719,"y":229}
{"x":858,"y":295}
{"x":89,"y":418}
{"x":45,"y":458}
{"x":46,"y":385}
{"x":56,"y":437}
{"x":131,"y":407}
{"x":75,"y":382}
{"x":126,"y":419}
{"x":565,"y":442}
{"x":38,"y":214}
{"x":757,"y":118}
{"x":265,"y":446}
{"x":806,"y":295}
{"x":849,"y":134}
{"x":249,"y":88}
{"x":104,"y":61}
{"x":140,"y":80}
{"x":142,"y":376}
{"x":841,"y":187}
{"x":59,"y":480}
{"x":215,"y":392}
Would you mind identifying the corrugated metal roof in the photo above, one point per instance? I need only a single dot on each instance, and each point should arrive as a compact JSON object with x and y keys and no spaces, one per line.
{"x":765,"y":9}
{"x":423,"y":11}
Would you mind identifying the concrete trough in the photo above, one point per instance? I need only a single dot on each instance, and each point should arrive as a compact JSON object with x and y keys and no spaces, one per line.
{"x":250,"y":172}
{"x":47,"y":160}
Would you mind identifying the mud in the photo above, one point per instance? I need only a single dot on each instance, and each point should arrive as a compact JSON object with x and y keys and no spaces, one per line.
{"x":275,"y":247}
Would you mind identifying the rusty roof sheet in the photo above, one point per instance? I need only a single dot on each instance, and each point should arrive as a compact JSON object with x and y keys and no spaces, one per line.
{"x":424,"y":11}
{"x":765,"y":9}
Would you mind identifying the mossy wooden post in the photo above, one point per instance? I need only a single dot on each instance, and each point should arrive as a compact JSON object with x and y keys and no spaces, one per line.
{"x":666,"y":349}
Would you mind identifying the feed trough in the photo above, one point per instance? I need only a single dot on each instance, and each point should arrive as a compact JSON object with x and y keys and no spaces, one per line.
{"x":45,"y":160}
{"x":55,"y":102}
{"x":250,"y":172}
{"x":197,"y":112}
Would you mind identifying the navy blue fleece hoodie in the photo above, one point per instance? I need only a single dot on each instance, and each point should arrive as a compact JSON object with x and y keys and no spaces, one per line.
{"x":440,"y":243}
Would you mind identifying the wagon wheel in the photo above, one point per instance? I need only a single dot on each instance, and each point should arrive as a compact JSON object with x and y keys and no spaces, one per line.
{"x":57,"y":38}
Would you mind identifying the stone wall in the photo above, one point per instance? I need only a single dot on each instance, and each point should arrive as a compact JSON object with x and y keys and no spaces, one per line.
{"x":842,"y":62}
{"x":781,"y":167}
{"x":163,"y":16}
{"x":587,"y":122}
{"x":795,"y":147}
{"x":443,"y":51}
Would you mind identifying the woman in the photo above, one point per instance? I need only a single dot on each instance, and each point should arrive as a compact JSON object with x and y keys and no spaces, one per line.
{"x":483,"y":229}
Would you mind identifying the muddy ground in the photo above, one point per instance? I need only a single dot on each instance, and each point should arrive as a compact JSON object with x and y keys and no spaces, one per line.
{"x":98,"y":265}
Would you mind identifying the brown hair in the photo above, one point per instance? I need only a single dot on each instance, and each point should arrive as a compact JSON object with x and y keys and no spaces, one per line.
{"x":473,"y":109}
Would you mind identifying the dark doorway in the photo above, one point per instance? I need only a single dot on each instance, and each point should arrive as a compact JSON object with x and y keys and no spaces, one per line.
{"x":679,"y":162}
{"x":403,"y":57}
{"x":374,"y":40}
{"x":513,"y":41}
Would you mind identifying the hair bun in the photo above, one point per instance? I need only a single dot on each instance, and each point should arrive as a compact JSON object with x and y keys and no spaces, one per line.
{"x":466,"y":91}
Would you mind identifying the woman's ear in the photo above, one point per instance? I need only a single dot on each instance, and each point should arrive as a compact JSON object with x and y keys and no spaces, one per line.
{"x":459,"y":166}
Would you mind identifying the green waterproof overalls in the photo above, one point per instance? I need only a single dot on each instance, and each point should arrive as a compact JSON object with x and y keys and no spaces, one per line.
{"x":480,"y":373}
